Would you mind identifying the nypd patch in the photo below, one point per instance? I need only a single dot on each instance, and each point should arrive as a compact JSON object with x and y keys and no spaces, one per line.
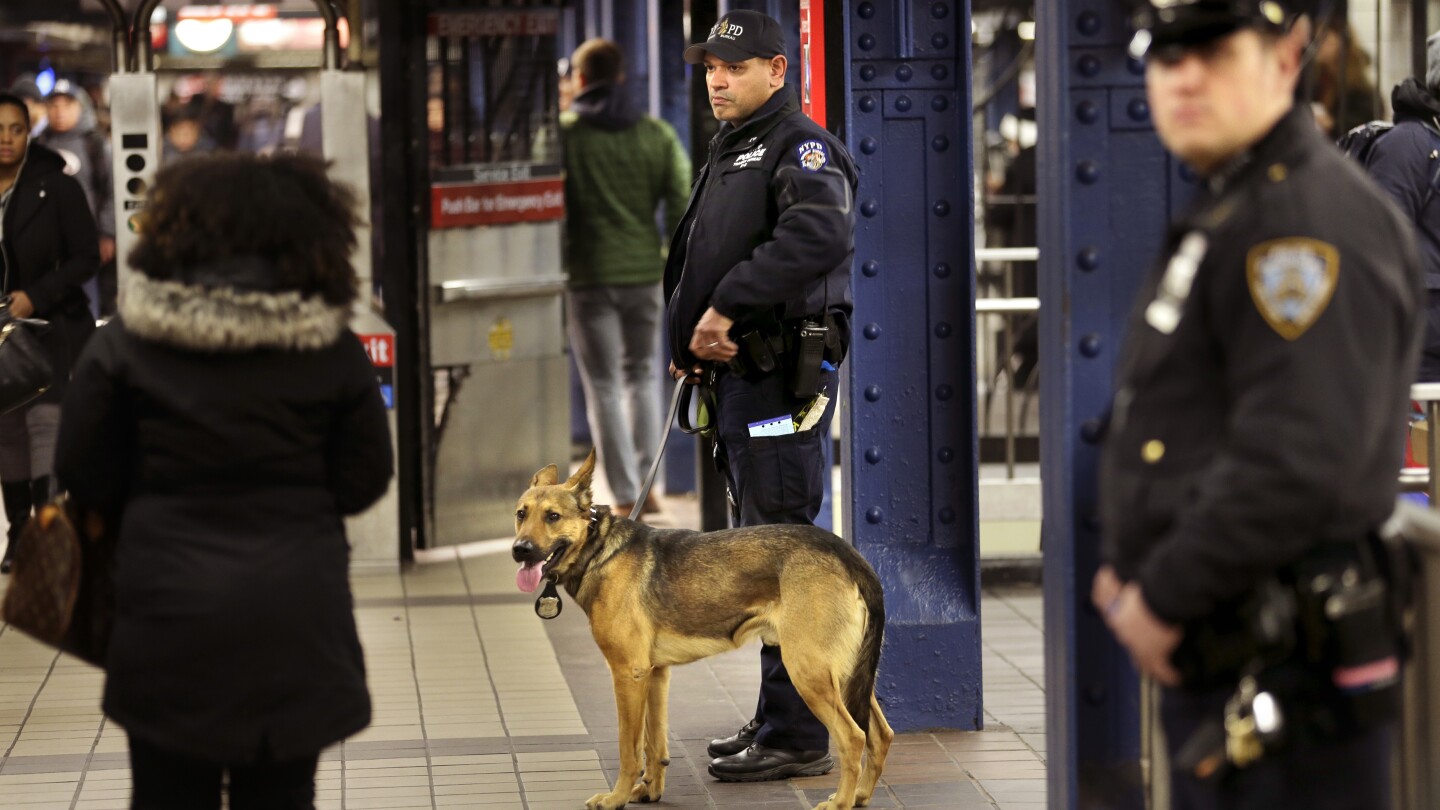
{"x":1291,"y":282}
{"x":812,"y":155}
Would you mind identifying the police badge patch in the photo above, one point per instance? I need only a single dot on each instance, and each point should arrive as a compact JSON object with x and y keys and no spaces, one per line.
{"x":1291,"y":281}
{"x":812,"y":155}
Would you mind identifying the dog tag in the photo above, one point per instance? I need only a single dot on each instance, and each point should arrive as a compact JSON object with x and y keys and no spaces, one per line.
{"x":547,"y":606}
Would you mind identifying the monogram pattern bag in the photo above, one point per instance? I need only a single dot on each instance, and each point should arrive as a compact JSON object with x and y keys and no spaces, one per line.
{"x":61,"y":590}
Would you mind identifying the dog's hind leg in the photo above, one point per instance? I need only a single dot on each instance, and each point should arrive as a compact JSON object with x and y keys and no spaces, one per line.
{"x":631,"y":692}
{"x":877,"y":747}
{"x":810,"y":671}
{"x":657,"y":738}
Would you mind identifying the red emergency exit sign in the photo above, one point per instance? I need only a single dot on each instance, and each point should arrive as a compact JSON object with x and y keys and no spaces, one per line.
{"x":381,"y":349}
{"x":464,"y":204}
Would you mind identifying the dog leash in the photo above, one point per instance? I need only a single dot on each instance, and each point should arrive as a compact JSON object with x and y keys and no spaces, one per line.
{"x":675,"y":398}
{"x":548,"y":605}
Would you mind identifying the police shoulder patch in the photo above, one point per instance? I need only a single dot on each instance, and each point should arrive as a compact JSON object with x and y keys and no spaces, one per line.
{"x":1291,"y":281}
{"x":812,"y":155}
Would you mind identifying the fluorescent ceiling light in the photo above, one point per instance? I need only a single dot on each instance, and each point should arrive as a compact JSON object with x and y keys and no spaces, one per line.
{"x":204,"y":36}
{"x":1026,"y":30}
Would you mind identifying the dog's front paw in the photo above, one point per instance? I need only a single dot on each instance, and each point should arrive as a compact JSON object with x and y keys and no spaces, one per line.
{"x":605,"y":801}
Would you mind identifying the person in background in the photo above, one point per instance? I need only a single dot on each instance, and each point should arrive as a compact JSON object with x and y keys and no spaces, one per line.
{"x":26,"y":88}
{"x":47,"y":251}
{"x":72,"y":132}
{"x":621,"y":167}
{"x":1406,"y":163}
{"x":225,"y":422}
{"x":1344,"y":98}
{"x":185,"y":138}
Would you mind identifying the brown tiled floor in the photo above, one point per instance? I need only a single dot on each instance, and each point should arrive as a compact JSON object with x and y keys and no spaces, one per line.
{"x":479,"y":704}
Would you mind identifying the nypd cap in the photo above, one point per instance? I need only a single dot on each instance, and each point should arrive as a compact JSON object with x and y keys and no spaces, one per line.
{"x":1166,"y":24}
{"x":65,"y":87}
{"x":738,"y":36}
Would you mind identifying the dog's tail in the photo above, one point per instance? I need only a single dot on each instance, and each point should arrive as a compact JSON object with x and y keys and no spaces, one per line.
{"x":861,"y":684}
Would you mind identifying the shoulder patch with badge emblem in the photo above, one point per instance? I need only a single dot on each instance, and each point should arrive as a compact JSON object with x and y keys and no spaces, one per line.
{"x":812,"y":155}
{"x":1292,"y":281}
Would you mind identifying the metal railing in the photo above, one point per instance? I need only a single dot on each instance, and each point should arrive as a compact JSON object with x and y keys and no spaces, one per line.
{"x":995,"y":367}
{"x":1418,"y":760}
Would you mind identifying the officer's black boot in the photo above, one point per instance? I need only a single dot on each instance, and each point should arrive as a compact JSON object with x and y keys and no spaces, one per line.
{"x":17,"y":511}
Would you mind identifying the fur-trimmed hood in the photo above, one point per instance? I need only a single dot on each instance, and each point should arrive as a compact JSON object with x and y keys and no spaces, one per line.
{"x":202,"y":315}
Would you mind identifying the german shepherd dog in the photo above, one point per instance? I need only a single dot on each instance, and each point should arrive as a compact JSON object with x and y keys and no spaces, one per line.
{"x":661,"y":597}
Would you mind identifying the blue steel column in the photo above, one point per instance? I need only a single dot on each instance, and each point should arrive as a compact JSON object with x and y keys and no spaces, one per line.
{"x":1104,"y":196}
{"x":911,"y":424}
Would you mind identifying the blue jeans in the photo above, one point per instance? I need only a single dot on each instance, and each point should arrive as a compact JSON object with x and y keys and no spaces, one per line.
{"x":615,"y":334}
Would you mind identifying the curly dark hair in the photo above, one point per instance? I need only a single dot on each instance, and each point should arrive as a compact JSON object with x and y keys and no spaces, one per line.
{"x":284,"y":209}
{"x":9,"y":99}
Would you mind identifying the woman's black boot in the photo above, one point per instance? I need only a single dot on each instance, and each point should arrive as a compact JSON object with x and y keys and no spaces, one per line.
{"x":17,"y":511}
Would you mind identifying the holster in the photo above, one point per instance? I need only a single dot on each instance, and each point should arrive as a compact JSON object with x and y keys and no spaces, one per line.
{"x":793,"y":347}
{"x":1330,"y":616}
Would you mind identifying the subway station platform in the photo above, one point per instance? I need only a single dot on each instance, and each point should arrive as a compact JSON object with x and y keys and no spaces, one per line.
{"x":479,"y":703}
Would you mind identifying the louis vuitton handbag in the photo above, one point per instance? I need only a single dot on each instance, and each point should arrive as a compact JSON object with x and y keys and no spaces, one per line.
{"x":61,"y":589}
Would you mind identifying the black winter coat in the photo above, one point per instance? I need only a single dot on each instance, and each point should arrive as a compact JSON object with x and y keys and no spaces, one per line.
{"x":50,"y":249}
{"x":1263,"y":387}
{"x":770,"y":227}
{"x":1406,"y":163}
{"x":229,"y":432}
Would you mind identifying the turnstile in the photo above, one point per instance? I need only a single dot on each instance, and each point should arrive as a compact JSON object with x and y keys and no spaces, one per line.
{"x":135,"y":133}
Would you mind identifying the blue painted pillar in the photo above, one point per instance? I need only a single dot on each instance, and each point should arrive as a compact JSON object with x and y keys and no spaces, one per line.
{"x":1106,"y":189}
{"x":911,"y":423}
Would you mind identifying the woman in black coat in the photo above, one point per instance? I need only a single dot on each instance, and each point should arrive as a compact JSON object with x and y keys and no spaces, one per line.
{"x":228,"y":419}
{"x":48,"y":249}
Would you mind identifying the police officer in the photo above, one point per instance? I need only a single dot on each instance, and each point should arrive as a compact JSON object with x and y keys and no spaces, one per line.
{"x":1259,"y":416}
{"x":758,"y":284}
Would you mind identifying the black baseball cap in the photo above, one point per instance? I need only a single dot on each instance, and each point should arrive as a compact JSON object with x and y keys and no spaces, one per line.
{"x":738,"y":36}
{"x":1162,"y":25}
{"x":26,"y":88}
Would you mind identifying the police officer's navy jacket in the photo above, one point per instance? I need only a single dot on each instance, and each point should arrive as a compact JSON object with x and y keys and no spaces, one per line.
{"x":769,"y":229}
{"x":1262,"y":392}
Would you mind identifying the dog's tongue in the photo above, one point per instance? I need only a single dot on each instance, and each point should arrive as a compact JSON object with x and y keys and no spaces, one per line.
{"x":527,"y":578}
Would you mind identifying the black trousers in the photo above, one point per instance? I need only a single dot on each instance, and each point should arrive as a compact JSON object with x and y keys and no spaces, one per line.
{"x":169,"y":780}
{"x":1344,"y":774}
{"x":775,"y":479}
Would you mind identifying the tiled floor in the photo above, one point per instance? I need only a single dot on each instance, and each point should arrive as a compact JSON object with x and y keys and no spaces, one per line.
{"x":480,"y":704}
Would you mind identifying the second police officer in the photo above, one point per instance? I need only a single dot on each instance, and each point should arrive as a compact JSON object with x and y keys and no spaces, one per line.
{"x":1257,"y":427}
{"x":758,"y":284}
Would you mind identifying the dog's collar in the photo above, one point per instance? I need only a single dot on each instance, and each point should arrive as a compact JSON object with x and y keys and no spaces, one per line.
{"x":548,"y":605}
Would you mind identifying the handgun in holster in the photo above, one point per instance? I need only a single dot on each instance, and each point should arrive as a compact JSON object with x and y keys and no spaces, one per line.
{"x":755,"y":357}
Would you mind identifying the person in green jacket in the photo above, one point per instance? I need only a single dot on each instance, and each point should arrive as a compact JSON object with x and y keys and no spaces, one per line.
{"x":620,"y":167}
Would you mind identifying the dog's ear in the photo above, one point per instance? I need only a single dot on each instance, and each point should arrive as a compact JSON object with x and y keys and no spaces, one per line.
{"x":548,"y":476}
{"x":580,"y":481}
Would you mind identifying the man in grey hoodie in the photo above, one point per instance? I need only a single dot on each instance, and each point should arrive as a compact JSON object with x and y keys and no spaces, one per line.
{"x":72,"y":132}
